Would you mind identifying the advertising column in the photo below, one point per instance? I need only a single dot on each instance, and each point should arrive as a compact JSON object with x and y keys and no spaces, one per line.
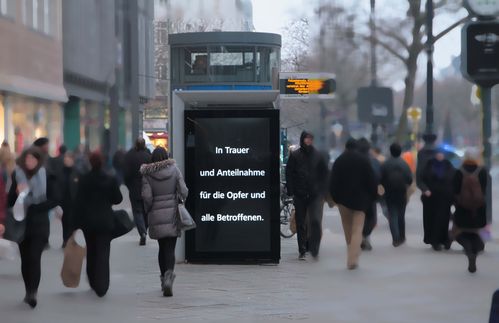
{"x":232,"y":170}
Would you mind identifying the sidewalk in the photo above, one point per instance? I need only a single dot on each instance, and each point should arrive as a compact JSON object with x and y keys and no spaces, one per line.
{"x":408,"y":284}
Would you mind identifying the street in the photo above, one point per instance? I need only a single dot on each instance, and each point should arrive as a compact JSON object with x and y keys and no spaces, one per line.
{"x":408,"y":284}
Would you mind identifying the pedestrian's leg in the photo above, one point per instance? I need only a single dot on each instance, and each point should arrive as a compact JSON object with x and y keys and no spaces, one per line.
{"x":357,"y":225}
{"x":91,"y":257}
{"x":138,"y":216}
{"x":393,"y":220}
{"x":427,"y":217}
{"x":66,"y":226}
{"x":346,"y":221}
{"x":169,"y":275}
{"x":403,"y":206}
{"x":301,"y":226}
{"x":162,"y":256}
{"x":369,"y":225}
{"x":103,"y":244}
{"x":315,"y":213}
{"x":24,"y":247}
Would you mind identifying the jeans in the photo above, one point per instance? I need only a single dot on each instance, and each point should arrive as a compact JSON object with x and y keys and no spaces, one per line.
{"x":166,"y":254}
{"x":396,"y":217}
{"x":139,"y":216}
{"x":370,"y":221}
{"x":98,"y":252}
{"x":309,"y":233}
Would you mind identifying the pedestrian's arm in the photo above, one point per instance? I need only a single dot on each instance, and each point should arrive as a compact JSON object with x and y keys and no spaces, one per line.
{"x":181,"y":186}
{"x":116,"y":196}
{"x":13,"y":194}
{"x":408,"y":174}
{"x":484,"y":178}
{"x":146,"y":194}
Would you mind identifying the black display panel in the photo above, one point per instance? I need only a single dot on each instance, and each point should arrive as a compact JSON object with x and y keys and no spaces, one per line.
{"x":232,"y":171}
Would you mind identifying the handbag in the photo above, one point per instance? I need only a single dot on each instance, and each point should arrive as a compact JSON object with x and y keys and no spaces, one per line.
{"x":73,"y":262}
{"x":14,"y":230}
{"x":185,"y":222}
{"x":292,"y":222}
{"x":8,"y":250}
{"x":122,"y":224}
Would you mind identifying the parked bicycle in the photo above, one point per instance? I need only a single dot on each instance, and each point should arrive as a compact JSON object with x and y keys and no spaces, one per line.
{"x":287,"y":210}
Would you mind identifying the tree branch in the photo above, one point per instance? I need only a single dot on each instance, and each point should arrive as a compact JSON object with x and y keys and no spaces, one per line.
{"x":392,"y":51}
{"x":448,"y":29}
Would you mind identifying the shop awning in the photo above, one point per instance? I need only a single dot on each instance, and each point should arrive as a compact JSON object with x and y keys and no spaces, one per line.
{"x":36,"y":89}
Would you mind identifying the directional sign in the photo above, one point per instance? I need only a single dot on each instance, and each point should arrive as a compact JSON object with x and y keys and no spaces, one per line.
{"x":375,"y":105}
{"x":480,"y":52}
{"x":414,"y":113}
{"x":303,"y":85}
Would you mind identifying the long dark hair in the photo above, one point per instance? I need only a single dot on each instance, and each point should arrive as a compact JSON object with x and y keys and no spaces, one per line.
{"x":35,"y":152}
{"x":159,"y":154}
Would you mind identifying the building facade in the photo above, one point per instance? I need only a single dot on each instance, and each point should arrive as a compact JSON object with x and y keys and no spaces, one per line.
{"x":31,"y":72}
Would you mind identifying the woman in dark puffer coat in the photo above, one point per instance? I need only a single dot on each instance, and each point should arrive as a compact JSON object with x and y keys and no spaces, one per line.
{"x":162,"y":187}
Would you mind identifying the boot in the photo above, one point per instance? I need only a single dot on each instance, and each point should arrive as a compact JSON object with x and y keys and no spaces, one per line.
{"x":471,"y":262}
{"x":142,"y":240}
{"x":167,"y":283}
{"x":30,"y":299}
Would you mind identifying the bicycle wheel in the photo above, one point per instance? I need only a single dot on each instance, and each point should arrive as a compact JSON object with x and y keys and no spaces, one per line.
{"x":285,"y":216}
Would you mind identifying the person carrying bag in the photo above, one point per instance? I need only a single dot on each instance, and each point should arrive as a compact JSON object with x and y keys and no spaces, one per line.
{"x":163,"y":191}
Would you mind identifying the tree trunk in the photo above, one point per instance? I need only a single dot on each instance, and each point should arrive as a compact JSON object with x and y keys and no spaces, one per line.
{"x":410,"y":83}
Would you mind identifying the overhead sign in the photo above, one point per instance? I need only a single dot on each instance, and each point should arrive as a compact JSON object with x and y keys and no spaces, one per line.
{"x":480,"y":52}
{"x":232,"y":171}
{"x":303,"y":85}
{"x":375,"y":105}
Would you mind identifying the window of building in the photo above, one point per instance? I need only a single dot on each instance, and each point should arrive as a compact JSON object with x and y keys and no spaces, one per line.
{"x":40,"y":15}
{"x":231,"y":64}
{"x":8,"y":8}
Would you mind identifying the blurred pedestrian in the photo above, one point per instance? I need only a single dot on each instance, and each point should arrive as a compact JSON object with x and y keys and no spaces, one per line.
{"x":437,"y":198}
{"x":354,"y":188}
{"x":134,"y":159}
{"x":70,"y":177}
{"x":30,"y":175}
{"x":306,"y":180}
{"x":97,"y":193}
{"x":162,"y":187}
{"x":82,"y":163}
{"x":470,"y":186}
{"x":119,"y":164}
{"x":371,"y":219}
{"x":396,"y":177}
{"x":7,"y":160}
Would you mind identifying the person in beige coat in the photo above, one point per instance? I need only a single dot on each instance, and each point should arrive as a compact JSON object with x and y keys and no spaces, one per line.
{"x":162,"y":187}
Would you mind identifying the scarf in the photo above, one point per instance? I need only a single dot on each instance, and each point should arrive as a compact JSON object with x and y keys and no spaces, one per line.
{"x":37,"y":186}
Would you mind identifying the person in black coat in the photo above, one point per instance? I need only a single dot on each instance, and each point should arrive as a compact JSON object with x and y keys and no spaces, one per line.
{"x":396,"y":177}
{"x":134,"y":159}
{"x":371,"y":220}
{"x":30,"y":176}
{"x":437,"y":198}
{"x":354,"y":188}
{"x":97,"y":193}
{"x":306,"y":180}
{"x":70,"y":178}
{"x":468,"y":221}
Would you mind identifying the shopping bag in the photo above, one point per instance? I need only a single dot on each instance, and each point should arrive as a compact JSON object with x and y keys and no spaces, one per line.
{"x":122,"y":224}
{"x":14,"y":230}
{"x":292,"y":221}
{"x":185,"y":221}
{"x":73,"y":262}
{"x":8,"y":250}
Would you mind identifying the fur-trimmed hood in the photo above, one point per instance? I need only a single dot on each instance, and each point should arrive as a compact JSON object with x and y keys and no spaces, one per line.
{"x":159,"y":170}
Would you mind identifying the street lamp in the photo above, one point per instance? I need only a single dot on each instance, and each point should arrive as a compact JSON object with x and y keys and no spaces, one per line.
{"x":429,"y":136}
{"x":483,"y":9}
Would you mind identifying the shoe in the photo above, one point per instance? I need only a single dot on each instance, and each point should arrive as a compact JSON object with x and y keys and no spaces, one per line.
{"x":448,"y":244}
{"x":353,"y":266}
{"x":64,"y":244}
{"x":302,"y":256}
{"x":437,"y":247}
{"x":398,"y":243}
{"x":142,"y":240}
{"x":30,"y":299}
{"x":167,"y":283}
{"x":366,"y":245}
{"x":471,"y":263}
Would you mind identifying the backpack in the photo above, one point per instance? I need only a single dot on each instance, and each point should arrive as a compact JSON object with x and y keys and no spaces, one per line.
{"x":471,"y":196}
{"x":396,"y":181}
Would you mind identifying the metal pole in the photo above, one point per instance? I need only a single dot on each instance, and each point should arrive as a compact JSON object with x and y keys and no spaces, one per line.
{"x":134,"y":67}
{"x":374,"y":77}
{"x":429,"y":67}
{"x":487,"y":148}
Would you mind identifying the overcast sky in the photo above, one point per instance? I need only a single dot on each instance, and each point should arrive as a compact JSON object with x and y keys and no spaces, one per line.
{"x":273,"y":15}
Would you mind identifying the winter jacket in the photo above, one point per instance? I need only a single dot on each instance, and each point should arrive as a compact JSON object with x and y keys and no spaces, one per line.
{"x":134,"y":159}
{"x":161,"y":182}
{"x":97,"y":193}
{"x":37,"y":214}
{"x":353,"y":183}
{"x":306,"y":172}
{"x":464,"y":218}
{"x":424,"y":156}
{"x":396,"y":177}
